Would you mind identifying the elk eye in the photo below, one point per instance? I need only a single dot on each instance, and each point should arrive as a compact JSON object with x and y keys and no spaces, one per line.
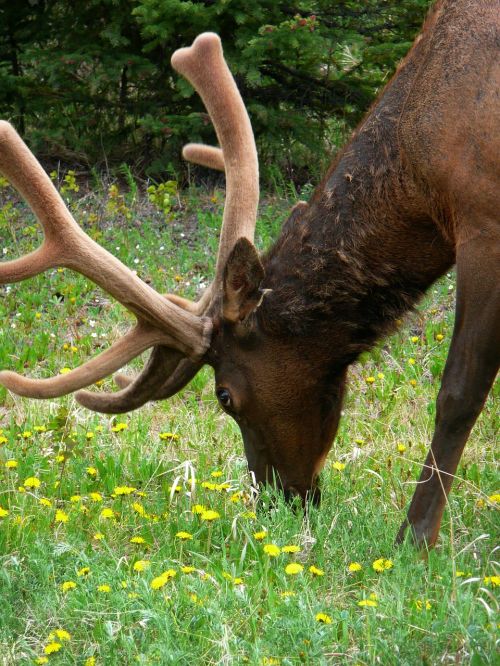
{"x":224,"y":397}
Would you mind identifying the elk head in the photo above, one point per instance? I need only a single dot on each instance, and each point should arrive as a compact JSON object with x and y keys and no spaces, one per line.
{"x":284,"y":400}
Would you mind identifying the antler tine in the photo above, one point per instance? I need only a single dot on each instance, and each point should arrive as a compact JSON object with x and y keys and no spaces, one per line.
{"x":207,"y":156}
{"x":204,"y":66}
{"x":65,"y":244}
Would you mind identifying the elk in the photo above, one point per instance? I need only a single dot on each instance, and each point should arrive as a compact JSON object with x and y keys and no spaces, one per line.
{"x":416,"y":190}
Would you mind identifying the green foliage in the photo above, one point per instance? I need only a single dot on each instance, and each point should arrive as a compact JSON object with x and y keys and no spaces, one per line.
{"x":162,"y":196}
{"x":91,"y":82}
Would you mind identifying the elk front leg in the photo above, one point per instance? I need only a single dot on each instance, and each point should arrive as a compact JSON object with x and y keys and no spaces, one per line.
{"x":470,"y":370}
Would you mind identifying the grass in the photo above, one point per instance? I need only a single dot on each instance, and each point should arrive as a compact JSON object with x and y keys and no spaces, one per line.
{"x":108,"y":493}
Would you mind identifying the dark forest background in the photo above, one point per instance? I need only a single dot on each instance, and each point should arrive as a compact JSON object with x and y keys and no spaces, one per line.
{"x":89,"y":83}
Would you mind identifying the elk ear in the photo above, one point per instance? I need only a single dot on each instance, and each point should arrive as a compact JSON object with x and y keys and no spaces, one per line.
{"x":243,"y":275}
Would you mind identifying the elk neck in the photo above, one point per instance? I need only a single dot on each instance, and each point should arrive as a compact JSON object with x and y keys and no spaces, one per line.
{"x":365,"y":248}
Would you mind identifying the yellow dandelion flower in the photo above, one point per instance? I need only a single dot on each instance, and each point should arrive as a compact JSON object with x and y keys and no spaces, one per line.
{"x":95,"y":497}
{"x":414,"y":338}
{"x":413,"y":382}
{"x":90,"y":661}
{"x":210,"y":515}
{"x":3,"y":440}
{"x":68,"y":585}
{"x":119,"y":427}
{"x":208,"y":485}
{"x":461,"y":574}
{"x":184,"y":536}
{"x":169,"y":436}
{"x":272,"y":549}
{"x":401,"y":447}
{"x":98,"y":536}
{"x":124,"y":490}
{"x":188,"y":569}
{"x":236,"y":497}
{"x":216,"y":474}
{"x":494,"y":581}
{"x":411,"y":361}
{"x":315,"y":571}
{"x":251,"y":515}
{"x":238,"y":581}
{"x":368,"y":602}
{"x":291,"y":549}
{"x":198,"y":509}
{"x":60,"y":634}
{"x":61,"y":516}
{"x":141,"y":565}
{"x":75,"y":498}
{"x":288,"y":593}
{"x":494,"y":499}
{"x":89,"y":435}
{"x":338,"y":466}
{"x":64,"y":371}
{"x":27,"y":434}
{"x":259,"y":536}
{"x":53,"y":647}
{"x":293,"y":569}
{"x":138,"y":508}
{"x":323,"y":617}
{"x":439,"y":337}
{"x":138,"y":540}
{"x":60,"y":458}
{"x":3,"y":512}
{"x":380,"y":375}
{"x":84,"y":571}
{"x":107,"y":513}
{"x":370,"y":379}
{"x":382,"y":565}
{"x":11,"y":464}
{"x":222,"y":486}
{"x":355,"y":566}
{"x":42,"y":660}
{"x":270,"y":661}
{"x":421,"y":604}
{"x":32,"y":482}
{"x":91,"y":471}
{"x":105,"y":588}
{"x":158,"y":582}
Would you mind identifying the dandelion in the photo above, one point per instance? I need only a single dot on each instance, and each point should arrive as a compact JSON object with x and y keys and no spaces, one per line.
{"x":208,"y":485}
{"x":494,"y":499}
{"x":288,"y":593}
{"x":324,"y":618}
{"x":259,"y":536}
{"x":382,"y":565}
{"x":61,"y":516}
{"x":91,"y":471}
{"x":368,"y":602}
{"x":380,"y":375}
{"x":370,"y":380}
{"x":315,"y":571}
{"x":32,"y":482}
{"x":236,"y":497}
{"x":3,"y":440}
{"x":291,"y":549}
{"x":169,"y":436}
{"x":439,"y":337}
{"x":60,"y":634}
{"x":89,"y":435}
{"x":251,"y":515}
{"x":3,"y":512}
{"x":338,"y":466}
{"x":11,"y":464}
{"x":494,"y":581}
{"x":414,"y":338}
{"x":216,"y":474}
{"x":354,"y":566}
{"x":401,"y":447}
{"x":272,"y":550}
{"x":107,"y":514}
{"x":138,"y":508}
{"x":42,"y":660}
{"x":413,"y":382}
{"x":210,"y":515}
{"x":52,"y":647}
{"x":420,"y":604}
{"x":124,"y":490}
{"x":158,"y":582}
{"x":84,"y":571}
{"x":27,"y":434}
{"x":89,"y":662}
{"x":293,"y":569}
{"x":411,"y":361}
{"x":64,"y":371}
{"x":188,"y":569}
{"x":222,"y":486}
{"x":60,"y":458}
{"x":141,"y":565}
{"x":461,"y":574}
{"x":119,"y":427}
{"x":68,"y":585}
{"x":95,"y":497}
{"x":138,"y":540}
{"x":98,"y":536}
{"x":184,"y":536}
{"x":104,"y":588}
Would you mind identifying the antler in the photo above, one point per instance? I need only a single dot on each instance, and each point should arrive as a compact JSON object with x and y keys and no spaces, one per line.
{"x":204,"y":66}
{"x":160,"y":321}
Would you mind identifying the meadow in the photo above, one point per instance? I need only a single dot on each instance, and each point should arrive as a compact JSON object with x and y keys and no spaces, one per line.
{"x":140,"y":539}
